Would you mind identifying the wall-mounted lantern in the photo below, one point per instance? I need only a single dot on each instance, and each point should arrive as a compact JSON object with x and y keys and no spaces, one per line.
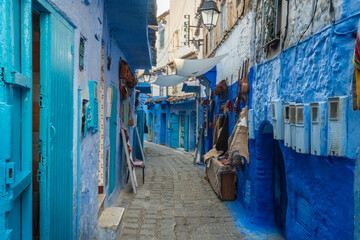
{"x":147,"y":75}
{"x":209,"y":14}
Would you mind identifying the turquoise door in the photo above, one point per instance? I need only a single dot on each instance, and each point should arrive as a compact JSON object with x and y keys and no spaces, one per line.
{"x":15,"y":120}
{"x":175,"y":131}
{"x":55,"y":175}
{"x":186,"y":133}
{"x":113,"y":130}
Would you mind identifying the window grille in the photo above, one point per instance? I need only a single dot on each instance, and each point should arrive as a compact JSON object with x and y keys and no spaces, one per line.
{"x":314,"y":114}
{"x":270,"y":27}
{"x":292,"y":114}
{"x":82,"y":53}
{"x":334,"y":108}
{"x":300,"y":116}
{"x":287,"y":114}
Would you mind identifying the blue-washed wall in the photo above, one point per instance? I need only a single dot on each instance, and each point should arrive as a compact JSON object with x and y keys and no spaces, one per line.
{"x":112,"y":79}
{"x":78,"y":13}
{"x":188,"y":107}
{"x":320,"y":189}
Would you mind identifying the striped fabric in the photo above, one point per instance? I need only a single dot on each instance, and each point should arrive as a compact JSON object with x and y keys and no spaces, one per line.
{"x":355,"y":83}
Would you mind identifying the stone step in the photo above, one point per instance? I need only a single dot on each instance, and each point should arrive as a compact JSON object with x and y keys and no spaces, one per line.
{"x":110,"y":223}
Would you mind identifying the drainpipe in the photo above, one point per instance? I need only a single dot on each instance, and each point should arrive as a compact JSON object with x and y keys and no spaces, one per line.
{"x":78,"y":167}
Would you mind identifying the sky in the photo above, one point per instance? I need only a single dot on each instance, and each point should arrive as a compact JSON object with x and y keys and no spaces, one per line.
{"x":162,"y":5}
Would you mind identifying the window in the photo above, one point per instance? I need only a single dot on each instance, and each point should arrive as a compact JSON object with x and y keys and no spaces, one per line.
{"x":334,"y":108}
{"x":161,"y":91}
{"x":237,"y":3}
{"x":314,"y":114}
{"x":223,"y":18}
{"x":162,"y":38}
{"x":300,"y":115}
{"x":82,"y":53}
{"x":270,"y":22}
{"x":287,"y":114}
{"x":292,"y":114}
{"x":211,"y":39}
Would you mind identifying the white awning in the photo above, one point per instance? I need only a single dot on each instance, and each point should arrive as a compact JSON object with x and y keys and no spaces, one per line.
{"x":194,"y":68}
{"x":169,"y":80}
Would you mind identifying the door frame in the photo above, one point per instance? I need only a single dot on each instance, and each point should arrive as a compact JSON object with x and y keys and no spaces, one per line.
{"x":13,"y":186}
{"x":113,"y":145}
{"x":47,"y":14}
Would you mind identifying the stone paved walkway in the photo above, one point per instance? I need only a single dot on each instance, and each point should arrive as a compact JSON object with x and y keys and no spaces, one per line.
{"x":175,"y":202}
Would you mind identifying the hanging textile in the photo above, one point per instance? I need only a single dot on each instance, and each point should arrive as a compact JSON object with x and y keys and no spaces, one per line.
{"x":216,"y":131}
{"x":146,"y":130}
{"x":222,"y":143}
{"x":126,"y":74}
{"x":240,"y":142}
{"x":355,"y":83}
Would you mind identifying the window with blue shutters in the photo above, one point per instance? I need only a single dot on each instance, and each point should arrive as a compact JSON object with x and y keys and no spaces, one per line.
{"x":270,"y":27}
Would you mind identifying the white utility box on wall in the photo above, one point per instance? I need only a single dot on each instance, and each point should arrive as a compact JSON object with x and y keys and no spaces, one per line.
{"x":251,"y":124}
{"x":337,"y":126}
{"x":303,"y":128}
{"x":277,"y":118}
{"x":292,"y":117}
{"x":318,"y":115}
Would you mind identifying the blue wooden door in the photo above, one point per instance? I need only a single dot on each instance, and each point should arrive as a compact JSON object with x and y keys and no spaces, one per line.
{"x":186,"y":134}
{"x":15,"y":120}
{"x":113,"y":130}
{"x":175,"y":131}
{"x":163,"y":129}
{"x":55,"y":173}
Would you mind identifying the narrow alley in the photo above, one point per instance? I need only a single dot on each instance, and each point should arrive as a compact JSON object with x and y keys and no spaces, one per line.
{"x":176,"y":202}
{"x":179,"y":119}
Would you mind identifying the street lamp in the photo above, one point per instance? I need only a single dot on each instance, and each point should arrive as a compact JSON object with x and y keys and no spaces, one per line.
{"x":209,"y":14}
{"x":147,"y":75}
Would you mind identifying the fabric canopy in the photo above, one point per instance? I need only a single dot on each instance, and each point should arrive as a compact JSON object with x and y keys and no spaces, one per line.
{"x":194,"y":68}
{"x":169,"y":80}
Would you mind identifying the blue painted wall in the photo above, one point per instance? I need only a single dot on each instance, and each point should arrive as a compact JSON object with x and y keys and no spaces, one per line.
{"x":156,"y":109}
{"x":320,"y":189}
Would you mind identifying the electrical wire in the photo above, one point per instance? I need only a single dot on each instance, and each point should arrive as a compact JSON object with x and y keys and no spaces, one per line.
{"x":311,"y":21}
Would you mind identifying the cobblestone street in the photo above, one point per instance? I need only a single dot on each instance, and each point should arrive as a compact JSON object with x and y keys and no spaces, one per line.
{"x":175,"y":202}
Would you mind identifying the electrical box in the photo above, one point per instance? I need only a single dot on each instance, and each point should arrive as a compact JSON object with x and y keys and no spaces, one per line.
{"x":93,"y":120}
{"x":302,"y":128}
{"x":337,"y":126}
{"x":318,"y":115}
{"x":251,"y":124}
{"x":292,"y":119}
{"x":287,"y":131}
{"x":277,"y":118}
